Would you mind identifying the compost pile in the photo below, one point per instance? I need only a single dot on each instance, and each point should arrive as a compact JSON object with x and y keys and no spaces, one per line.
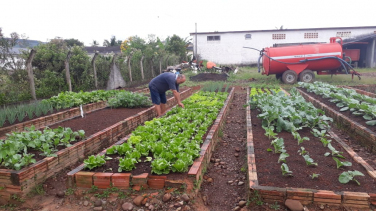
{"x":209,"y":77}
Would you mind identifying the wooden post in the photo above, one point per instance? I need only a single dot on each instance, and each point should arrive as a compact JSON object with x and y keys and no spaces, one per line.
{"x":129,"y":66}
{"x":142,"y":67}
{"x":67,"y":73}
{"x":95,"y":70}
{"x":30,"y":73}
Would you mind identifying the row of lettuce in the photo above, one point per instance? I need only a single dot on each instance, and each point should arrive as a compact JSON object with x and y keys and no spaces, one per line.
{"x":169,"y":143}
{"x":280,"y":112}
{"x":345,"y":99}
{"x":115,"y":98}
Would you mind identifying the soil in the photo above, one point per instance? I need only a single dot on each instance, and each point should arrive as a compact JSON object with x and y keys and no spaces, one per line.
{"x":348,"y":113}
{"x":269,"y":173}
{"x":369,"y":88}
{"x":209,"y":77}
{"x":219,"y":194}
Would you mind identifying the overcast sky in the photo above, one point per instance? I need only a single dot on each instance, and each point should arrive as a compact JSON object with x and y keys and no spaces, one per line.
{"x":98,"y":20}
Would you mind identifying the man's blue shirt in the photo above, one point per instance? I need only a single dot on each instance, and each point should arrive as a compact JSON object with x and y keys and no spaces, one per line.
{"x":164,"y":82}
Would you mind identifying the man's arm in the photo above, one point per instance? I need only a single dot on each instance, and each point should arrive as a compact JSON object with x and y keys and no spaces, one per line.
{"x":177,"y":97}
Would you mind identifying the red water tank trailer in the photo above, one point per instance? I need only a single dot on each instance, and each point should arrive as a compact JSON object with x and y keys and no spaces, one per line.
{"x":299,"y":61}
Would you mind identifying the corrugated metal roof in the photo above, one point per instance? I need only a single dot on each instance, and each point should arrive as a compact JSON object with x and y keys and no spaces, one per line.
{"x":279,"y":30}
{"x":359,"y":38}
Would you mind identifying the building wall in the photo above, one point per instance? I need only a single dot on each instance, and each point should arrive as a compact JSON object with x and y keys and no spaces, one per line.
{"x":229,"y":49}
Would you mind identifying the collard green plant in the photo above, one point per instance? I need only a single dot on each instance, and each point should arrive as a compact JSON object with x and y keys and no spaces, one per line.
{"x":348,"y":176}
{"x":285,"y":170}
{"x":309,"y":161}
{"x":313,"y":176}
{"x":340,"y":163}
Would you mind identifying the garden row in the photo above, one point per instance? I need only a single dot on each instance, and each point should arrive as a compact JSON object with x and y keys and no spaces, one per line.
{"x":172,"y":151}
{"x":309,"y":166}
{"x":22,"y":181}
{"x":351,"y":111}
{"x":47,"y":112}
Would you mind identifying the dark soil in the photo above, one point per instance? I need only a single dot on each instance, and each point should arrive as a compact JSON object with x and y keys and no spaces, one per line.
{"x":209,"y":77}
{"x":220,"y":194}
{"x":348,"y":113}
{"x":98,"y":120}
{"x":369,"y":88}
{"x":269,"y":170}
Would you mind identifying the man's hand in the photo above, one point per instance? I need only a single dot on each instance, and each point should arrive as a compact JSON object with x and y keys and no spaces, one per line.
{"x":181,"y":105}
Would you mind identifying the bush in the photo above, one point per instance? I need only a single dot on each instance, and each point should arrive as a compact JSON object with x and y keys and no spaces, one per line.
{"x":129,"y":100}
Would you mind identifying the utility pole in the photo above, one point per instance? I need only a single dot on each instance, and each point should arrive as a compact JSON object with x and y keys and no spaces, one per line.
{"x":196,"y":44}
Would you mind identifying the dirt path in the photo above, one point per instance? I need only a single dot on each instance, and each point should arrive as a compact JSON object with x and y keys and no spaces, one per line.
{"x":225,"y":182}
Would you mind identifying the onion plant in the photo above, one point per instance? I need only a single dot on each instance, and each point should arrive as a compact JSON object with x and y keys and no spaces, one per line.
{"x":3,"y":117}
{"x":11,"y":115}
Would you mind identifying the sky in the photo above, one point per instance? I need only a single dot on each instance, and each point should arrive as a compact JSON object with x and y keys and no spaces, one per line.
{"x":99,"y":20}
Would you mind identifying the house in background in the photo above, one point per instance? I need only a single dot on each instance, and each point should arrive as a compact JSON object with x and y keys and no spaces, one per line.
{"x":228,"y":47}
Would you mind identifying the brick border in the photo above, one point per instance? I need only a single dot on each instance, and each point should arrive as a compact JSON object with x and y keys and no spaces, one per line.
{"x":360,"y":91}
{"x":22,"y":181}
{"x":353,"y":129}
{"x":82,"y":180}
{"x":305,"y":196}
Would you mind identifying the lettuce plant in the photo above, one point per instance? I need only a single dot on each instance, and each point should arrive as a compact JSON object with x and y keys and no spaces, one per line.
{"x":94,"y":161}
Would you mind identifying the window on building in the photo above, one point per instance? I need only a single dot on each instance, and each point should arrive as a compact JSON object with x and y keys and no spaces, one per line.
{"x":214,"y":38}
{"x":248,"y":36}
{"x":344,"y":34}
{"x":279,"y":36}
{"x":311,"y":35}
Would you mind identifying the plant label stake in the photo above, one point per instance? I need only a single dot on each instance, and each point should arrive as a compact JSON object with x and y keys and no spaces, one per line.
{"x":82,"y":111}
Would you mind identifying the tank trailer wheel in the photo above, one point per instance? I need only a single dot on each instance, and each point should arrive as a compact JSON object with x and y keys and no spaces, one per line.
{"x":307,"y":76}
{"x":289,"y":77}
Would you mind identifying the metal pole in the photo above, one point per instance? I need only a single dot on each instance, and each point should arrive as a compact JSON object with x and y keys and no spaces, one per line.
{"x":196,"y":44}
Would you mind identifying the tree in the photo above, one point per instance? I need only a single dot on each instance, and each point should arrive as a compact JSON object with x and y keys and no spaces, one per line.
{"x":177,"y":46}
{"x":112,"y":42}
{"x":9,"y":58}
{"x":95,"y":43}
{"x":72,"y":42}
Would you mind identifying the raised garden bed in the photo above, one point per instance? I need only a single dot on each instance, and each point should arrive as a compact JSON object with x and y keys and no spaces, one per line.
{"x":191,"y":180}
{"x":266,"y":180}
{"x":369,"y":90}
{"x":56,"y":117}
{"x":353,"y":125}
{"x":22,"y":181}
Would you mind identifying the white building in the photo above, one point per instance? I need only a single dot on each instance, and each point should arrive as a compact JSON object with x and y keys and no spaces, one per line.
{"x":228,"y":47}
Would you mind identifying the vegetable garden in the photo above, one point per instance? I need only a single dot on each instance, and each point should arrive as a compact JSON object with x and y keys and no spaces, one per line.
{"x":293,"y":150}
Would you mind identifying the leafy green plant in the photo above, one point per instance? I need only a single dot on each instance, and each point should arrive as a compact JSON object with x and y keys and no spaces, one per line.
{"x":279,"y":145}
{"x":129,"y":100}
{"x":160,"y":166}
{"x":285,"y":170}
{"x":348,"y":176}
{"x":309,"y":161}
{"x":334,"y":152}
{"x":340,"y":163}
{"x":94,"y":161}
{"x":302,"y":151}
{"x":127,"y":164}
{"x":282,"y":157}
{"x":313,"y":176}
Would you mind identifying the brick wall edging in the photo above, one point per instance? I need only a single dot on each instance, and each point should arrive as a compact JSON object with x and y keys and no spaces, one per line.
{"x":354,"y":129}
{"x":22,"y":181}
{"x":86,"y":179}
{"x":305,"y":196}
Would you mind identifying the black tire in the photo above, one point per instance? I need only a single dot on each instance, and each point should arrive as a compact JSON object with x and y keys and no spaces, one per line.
{"x":278,"y":76}
{"x":307,"y":76}
{"x":289,"y":77}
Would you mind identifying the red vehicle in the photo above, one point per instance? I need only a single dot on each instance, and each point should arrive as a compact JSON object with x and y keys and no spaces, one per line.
{"x":291,"y":63}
